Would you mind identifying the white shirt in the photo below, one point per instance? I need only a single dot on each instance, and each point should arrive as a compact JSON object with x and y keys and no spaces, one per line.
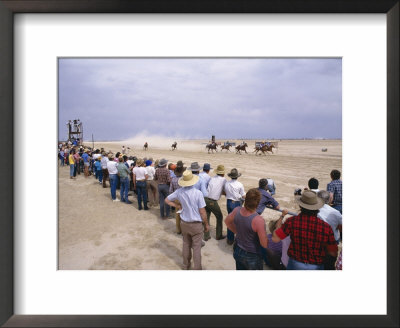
{"x":140,"y":173}
{"x":215,"y":187}
{"x":112,"y":167}
{"x":95,"y":156}
{"x":150,"y":172}
{"x":104,"y":162}
{"x":234,"y":190}
{"x":206,"y":177}
{"x":129,"y":162}
{"x":191,"y":200}
{"x":332,"y":217}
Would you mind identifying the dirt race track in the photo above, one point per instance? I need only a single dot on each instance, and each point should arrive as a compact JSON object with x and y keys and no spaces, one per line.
{"x":97,"y":234}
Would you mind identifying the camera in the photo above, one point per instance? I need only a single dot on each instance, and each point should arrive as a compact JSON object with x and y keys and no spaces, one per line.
{"x":297,"y":192}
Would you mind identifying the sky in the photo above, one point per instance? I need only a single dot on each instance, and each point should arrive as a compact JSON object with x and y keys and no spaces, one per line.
{"x":194,"y":98}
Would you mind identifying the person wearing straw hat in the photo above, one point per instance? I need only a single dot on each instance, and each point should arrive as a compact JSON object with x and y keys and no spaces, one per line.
{"x":214,"y":192}
{"x":311,"y":237}
{"x":193,"y":217}
{"x":234,"y":191}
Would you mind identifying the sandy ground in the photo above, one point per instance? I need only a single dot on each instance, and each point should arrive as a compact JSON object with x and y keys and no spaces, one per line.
{"x":98,"y":234}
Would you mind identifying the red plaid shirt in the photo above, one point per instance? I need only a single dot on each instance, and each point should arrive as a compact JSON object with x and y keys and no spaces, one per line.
{"x":309,"y":237}
{"x":162,"y":176}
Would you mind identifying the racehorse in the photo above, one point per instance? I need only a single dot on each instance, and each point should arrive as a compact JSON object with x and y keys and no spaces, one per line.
{"x":227,"y":146}
{"x":173,"y":146}
{"x":241,"y":147}
{"x":213,"y":146}
{"x":145,"y":146}
{"x":264,"y":149}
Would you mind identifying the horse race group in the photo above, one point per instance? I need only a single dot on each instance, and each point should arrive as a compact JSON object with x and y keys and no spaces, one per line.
{"x":306,"y":241}
{"x":263,"y":147}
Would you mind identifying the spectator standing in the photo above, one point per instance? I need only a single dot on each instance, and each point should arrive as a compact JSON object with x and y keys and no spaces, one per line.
{"x":234,"y":192}
{"x":113,"y":176}
{"x":172,"y":188}
{"x":99,"y":171}
{"x":334,"y":219}
{"x":151,"y":186}
{"x":77,"y":168}
{"x":86,"y":163}
{"x":335,"y":188}
{"x":139,"y":183}
{"x":193,"y":217}
{"x":249,"y":228}
{"x":163,"y":178}
{"x":61,"y":156}
{"x":123,"y":173}
{"x":200,"y":184}
{"x":310,"y":236}
{"x":205,"y":175}
{"x":71,"y":162}
{"x":104,"y":160}
{"x":214,"y":192}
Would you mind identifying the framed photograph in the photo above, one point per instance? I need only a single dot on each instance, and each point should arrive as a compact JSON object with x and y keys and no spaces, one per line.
{"x":56,"y":51}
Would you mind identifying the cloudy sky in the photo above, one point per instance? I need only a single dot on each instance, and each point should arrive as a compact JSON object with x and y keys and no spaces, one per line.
{"x":117,"y":98}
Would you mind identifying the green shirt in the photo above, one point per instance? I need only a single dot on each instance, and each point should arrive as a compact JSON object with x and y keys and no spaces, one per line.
{"x":123,"y":171}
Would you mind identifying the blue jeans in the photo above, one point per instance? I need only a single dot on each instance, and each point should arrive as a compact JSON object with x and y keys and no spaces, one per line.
{"x":141,"y":193}
{"x":62,"y":161}
{"x":163,"y":192}
{"x":124,"y":189}
{"x":338,"y":207}
{"x":113,"y":185}
{"x":99,"y":175}
{"x":71,"y":170}
{"x":245,"y":260}
{"x":296,"y":265}
{"x":230,"y":205}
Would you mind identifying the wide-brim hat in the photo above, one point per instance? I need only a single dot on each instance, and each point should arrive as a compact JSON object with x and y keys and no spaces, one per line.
{"x":220,"y":169}
{"x":179,"y":163}
{"x":194,"y":167}
{"x":309,"y":200}
{"x":162,"y":162}
{"x":207,"y":167}
{"x":188,"y":179}
{"x":139,"y":162}
{"x":110,"y":156}
{"x":234,"y":174}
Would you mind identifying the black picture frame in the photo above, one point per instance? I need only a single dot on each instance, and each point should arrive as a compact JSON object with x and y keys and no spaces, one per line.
{"x":11,"y":7}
